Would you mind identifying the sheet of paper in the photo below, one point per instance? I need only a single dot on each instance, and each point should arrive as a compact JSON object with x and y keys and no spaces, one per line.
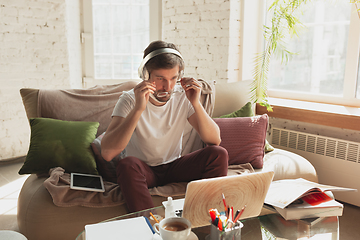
{"x":130,"y":229}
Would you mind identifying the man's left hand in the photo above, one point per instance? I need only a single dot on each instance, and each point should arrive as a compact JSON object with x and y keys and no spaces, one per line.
{"x":192,"y":89}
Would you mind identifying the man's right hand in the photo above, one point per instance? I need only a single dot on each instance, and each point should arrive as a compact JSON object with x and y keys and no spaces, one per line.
{"x":142,"y":93}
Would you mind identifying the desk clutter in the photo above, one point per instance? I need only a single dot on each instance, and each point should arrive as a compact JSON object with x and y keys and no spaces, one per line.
{"x":141,"y":228}
{"x":225,"y":225}
{"x":301,"y":199}
{"x":226,"y":219}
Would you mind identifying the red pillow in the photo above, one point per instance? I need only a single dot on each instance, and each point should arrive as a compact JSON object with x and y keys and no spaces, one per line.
{"x":244,"y":139}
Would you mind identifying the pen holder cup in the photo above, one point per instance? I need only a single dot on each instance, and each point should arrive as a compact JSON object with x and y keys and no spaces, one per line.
{"x":233,"y":233}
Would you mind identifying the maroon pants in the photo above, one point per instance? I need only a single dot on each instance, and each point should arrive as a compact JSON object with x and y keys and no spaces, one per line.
{"x":135,"y":177}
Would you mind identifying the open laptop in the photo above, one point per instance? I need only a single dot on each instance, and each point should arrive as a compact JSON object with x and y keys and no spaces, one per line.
{"x":239,"y":190}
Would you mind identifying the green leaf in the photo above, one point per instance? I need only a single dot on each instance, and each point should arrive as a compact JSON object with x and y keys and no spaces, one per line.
{"x":283,"y":24}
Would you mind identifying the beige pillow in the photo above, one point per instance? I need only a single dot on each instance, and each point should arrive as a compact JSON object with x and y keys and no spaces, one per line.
{"x":230,"y":97}
{"x":30,"y":100}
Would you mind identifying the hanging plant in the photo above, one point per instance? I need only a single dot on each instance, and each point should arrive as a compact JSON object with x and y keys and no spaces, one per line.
{"x":284,"y":24}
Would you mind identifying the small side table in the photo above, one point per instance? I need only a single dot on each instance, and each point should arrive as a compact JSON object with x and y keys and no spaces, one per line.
{"x":11,"y":235}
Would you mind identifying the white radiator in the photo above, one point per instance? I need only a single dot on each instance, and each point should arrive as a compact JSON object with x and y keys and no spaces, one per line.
{"x":337,"y":161}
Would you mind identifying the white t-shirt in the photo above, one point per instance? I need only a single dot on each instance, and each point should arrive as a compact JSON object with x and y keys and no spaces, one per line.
{"x":157,"y":138}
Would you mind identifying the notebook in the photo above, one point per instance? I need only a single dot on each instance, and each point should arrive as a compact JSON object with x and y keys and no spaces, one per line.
{"x":239,"y":190}
{"x":130,"y":229}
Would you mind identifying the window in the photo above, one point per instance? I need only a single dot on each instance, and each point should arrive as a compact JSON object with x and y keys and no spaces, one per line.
{"x":116,"y":32}
{"x":326,"y":66}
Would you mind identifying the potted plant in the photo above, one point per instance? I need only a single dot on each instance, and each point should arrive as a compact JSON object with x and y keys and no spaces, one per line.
{"x":284,"y":24}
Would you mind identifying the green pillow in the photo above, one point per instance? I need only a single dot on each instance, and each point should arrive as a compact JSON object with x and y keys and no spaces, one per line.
{"x":247,"y":111}
{"x":268,"y":147}
{"x":58,"y":143}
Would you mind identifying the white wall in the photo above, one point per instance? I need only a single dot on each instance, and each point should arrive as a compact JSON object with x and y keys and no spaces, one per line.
{"x":41,"y":49}
{"x":34,"y":53}
{"x":72,"y":32}
{"x":201,"y":30}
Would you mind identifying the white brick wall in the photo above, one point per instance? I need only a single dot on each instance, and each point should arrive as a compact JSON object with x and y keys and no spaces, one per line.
{"x":201,"y":30}
{"x":40,"y":49}
{"x":34,"y":54}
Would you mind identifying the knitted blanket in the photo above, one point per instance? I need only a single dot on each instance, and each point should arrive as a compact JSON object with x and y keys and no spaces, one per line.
{"x":58,"y":185}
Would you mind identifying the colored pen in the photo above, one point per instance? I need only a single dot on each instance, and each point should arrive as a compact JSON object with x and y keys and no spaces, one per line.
{"x":236,"y":214}
{"x":213,"y":214}
{"x":154,"y":217}
{"x":240,"y":213}
{"x":229,"y":219}
{"x":220,"y":225}
{"x":232,"y":213}
{"x":223,"y":198}
{"x":222,"y":222}
{"x":216,"y":222}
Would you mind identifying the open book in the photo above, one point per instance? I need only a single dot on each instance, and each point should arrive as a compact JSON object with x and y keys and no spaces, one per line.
{"x":299,"y":198}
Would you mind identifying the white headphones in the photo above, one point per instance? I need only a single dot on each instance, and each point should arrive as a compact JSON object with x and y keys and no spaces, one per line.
{"x":144,"y":74}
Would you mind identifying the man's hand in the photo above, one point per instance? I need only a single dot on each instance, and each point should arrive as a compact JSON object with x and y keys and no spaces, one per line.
{"x":204,"y":125}
{"x":192,"y":89}
{"x":142,"y":93}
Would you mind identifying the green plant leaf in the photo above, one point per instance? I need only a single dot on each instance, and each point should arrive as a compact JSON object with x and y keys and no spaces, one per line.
{"x":283,"y":24}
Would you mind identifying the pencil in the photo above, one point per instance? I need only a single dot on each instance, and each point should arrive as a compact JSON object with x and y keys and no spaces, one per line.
{"x":236,"y":214}
{"x":241,"y":212}
{"x":232,"y":213}
{"x":229,"y":217}
{"x":225,"y":206}
{"x":154,"y":217}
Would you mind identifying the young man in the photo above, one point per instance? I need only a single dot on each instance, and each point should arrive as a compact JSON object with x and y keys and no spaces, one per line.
{"x":148,"y":122}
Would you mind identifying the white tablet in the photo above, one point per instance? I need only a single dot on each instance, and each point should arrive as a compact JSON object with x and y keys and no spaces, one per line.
{"x":87,"y":182}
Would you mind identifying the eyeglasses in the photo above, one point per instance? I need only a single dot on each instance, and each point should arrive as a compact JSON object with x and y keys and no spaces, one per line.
{"x":177,"y":89}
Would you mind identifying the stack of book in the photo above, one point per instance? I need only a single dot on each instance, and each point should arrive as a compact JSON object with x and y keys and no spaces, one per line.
{"x":300,"y":199}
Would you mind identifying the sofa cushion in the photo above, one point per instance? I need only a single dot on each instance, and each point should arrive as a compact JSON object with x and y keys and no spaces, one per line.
{"x":107,"y":169}
{"x":58,"y":143}
{"x":229,"y":96}
{"x":93,"y":104}
{"x":247,"y":111}
{"x":288,"y":165}
{"x":244,"y":138}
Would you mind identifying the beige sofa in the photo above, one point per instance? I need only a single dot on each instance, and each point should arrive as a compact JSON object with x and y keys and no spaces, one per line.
{"x":40,"y":219}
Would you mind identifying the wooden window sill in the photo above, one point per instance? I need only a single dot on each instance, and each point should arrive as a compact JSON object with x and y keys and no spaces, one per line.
{"x":316,"y":113}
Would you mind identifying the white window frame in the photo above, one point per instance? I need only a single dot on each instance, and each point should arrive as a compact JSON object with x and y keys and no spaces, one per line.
{"x":350,"y":77}
{"x":250,"y":47}
{"x":252,"y":21}
{"x":86,"y":37}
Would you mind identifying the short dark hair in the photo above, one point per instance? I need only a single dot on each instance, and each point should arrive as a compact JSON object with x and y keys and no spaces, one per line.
{"x":165,"y":60}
